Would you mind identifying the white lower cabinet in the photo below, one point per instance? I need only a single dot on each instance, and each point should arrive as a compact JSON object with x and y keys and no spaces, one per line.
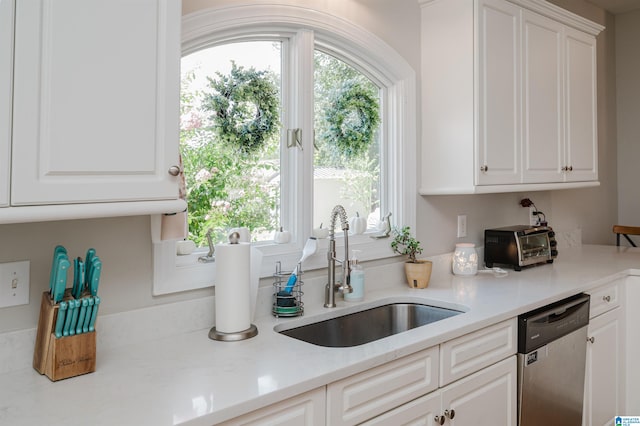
{"x":632,"y":346}
{"x":604,"y":384}
{"x":476,"y":375}
{"x":485,"y":398}
{"x":307,"y":409}
{"x":365,"y":395}
{"x":479,"y":388}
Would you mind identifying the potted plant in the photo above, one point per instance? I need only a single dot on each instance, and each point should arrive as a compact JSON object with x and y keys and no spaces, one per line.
{"x":418,"y":272}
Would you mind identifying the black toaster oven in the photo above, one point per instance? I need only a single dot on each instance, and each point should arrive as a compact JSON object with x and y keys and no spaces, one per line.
{"x":519,"y":246}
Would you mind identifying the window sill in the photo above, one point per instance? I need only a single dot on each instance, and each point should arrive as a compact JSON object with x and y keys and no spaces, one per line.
{"x":172,"y":273}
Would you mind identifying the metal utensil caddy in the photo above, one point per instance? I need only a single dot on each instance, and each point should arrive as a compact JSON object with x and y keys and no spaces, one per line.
{"x":287,"y":304}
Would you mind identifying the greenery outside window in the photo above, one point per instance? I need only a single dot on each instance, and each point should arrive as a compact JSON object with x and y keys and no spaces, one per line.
{"x":376,"y":178}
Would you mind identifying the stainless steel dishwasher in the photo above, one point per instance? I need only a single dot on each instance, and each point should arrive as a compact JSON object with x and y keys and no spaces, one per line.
{"x":552,"y":350}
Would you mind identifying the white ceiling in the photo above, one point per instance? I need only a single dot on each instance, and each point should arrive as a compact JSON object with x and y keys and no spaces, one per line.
{"x":617,"y":6}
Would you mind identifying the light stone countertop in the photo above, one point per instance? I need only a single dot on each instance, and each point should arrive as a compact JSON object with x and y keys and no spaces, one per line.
{"x":188,"y":378}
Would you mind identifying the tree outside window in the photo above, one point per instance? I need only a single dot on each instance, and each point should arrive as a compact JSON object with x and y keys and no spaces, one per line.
{"x":231,"y":184}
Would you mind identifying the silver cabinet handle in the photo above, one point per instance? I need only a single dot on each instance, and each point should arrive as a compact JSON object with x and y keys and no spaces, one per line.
{"x":607,"y":298}
{"x":439,"y":420}
{"x":570,"y":168}
{"x":174,"y":170}
{"x":450,"y":413}
{"x":591,"y":339}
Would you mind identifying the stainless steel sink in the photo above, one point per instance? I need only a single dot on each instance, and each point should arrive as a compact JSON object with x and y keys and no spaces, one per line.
{"x":366,"y":326}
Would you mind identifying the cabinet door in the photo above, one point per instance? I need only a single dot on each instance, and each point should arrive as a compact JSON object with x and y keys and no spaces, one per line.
{"x":486,"y":398}
{"x":498,"y":93}
{"x":6,"y":68}
{"x":603,"y":388}
{"x":303,"y":410}
{"x":96,"y":100}
{"x":581,"y":108}
{"x":542,"y":130}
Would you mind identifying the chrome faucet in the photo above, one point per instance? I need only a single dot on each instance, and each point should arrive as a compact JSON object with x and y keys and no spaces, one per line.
{"x":345,"y":284}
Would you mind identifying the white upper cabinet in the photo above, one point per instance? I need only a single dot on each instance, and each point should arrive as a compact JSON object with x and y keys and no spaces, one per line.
{"x":6,"y":68}
{"x":508,"y":97}
{"x":581,"y":109}
{"x":96,"y":101}
{"x":498,"y":93}
{"x":542,"y":94}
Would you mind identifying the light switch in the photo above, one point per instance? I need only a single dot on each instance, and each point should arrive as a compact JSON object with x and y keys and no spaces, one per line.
{"x":14,"y":283}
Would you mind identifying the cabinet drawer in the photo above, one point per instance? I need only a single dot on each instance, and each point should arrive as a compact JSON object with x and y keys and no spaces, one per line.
{"x":474,"y":351}
{"x":363,"y":396}
{"x":604,"y":298}
{"x":303,"y":410}
{"x":420,"y":411}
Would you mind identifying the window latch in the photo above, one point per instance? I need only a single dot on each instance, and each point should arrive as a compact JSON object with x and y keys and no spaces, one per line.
{"x":294,"y":138}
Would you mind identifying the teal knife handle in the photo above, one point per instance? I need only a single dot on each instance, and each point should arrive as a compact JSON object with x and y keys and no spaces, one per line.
{"x":94,"y":314}
{"x":61,"y":279}
{"x":88,"y":259}
{"x":87,"y":318}
{"x":57,"y":251}
{"x":96,"y":269}
{"x":67,"y":320}
{"x":74,"y":317}
{"x":83,"y":312}
{"x":62,"y":310}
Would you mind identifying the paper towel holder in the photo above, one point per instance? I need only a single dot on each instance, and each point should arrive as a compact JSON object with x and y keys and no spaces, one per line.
{"x":234,"y":238}
{"x":233,"y":337}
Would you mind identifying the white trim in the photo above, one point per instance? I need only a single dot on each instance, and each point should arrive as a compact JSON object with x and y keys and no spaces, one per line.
{"x":550,"y":10}
{"x":368,"y":53}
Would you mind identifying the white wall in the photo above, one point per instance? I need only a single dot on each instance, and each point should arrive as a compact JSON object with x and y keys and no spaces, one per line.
{"x":628,"y":97}
{"x":125,"y":247}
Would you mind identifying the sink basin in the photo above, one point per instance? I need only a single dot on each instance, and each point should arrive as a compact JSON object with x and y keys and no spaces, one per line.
{"x":372,"y":324}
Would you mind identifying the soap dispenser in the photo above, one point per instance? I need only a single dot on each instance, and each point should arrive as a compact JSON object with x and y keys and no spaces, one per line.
{"x":357,"y":280}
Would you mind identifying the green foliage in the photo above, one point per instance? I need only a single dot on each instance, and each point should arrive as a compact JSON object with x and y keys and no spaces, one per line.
{"x":403,"y":243}
{"x":226,"y":187}
{"x":362,"y":171}
{"x":331,"y":76}
{"x":245,"y":107}
{"x":230,"y":144}
{"x":352,"y":118}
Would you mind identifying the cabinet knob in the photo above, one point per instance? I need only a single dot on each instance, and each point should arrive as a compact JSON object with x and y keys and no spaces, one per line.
{"x":484,"y":168}
{"x":591,"y":339}
{"x":450,"y":413}
{"x":439,"y":420}
{"x":174,"y":170}
{"x":570,"y":168}
{"x":606,"y":298}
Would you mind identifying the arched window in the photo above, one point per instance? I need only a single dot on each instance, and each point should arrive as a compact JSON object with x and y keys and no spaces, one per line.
{"x":344,"y":131}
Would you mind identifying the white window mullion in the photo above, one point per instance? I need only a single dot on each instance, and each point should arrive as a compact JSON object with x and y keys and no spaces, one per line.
{"x":300,"y":102}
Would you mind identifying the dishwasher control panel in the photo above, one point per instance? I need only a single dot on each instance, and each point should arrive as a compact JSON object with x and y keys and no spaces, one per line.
{"x":541,"y":326}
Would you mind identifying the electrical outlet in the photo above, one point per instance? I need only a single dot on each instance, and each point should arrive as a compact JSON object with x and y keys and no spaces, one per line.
{"x":462,"y":225}
{"x":533,"y":218}
{"x":14,"y":283}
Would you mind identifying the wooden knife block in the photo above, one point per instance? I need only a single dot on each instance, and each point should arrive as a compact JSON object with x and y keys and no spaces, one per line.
{"x":64,"y":357}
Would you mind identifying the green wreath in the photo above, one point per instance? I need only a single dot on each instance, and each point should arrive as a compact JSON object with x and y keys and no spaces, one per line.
{"x":352,"y":118}
{"x":245,"y":107}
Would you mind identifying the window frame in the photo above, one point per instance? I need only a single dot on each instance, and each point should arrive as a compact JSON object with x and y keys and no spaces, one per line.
{"x":302,"y":30}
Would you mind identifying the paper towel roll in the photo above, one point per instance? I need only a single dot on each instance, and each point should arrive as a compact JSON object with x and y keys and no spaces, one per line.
{"x":233,"y":287}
